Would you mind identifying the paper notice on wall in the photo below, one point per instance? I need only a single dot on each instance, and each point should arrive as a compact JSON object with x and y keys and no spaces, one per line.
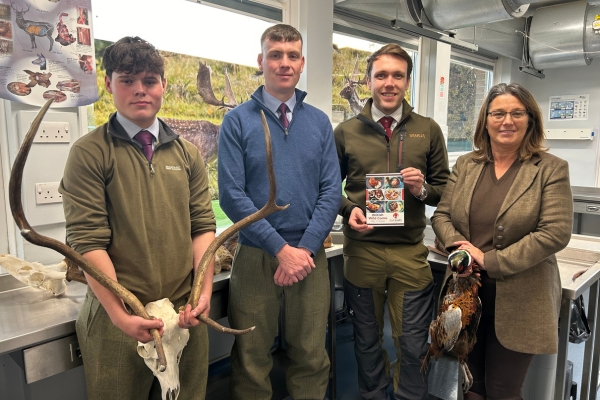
{"x":569,"y":107}
{"x":47,"y":51}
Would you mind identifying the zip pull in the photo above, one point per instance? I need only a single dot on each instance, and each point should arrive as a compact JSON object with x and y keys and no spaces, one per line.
{"x":151,"y":169}
{"x":286,"y":131}
{"x":400,"y":166}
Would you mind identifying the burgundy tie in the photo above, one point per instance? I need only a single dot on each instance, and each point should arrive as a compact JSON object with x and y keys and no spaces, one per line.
{"x":145,"y":139}
{"x":387,"y":125}
{"x":283,"y":108}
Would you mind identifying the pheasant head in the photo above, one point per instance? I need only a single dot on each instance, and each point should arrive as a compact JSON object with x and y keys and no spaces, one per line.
{"x":460,"y":263}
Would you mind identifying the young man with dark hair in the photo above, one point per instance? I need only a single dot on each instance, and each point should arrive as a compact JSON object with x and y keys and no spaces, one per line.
{"x":390,"y":262}
{"x":137,"y":206}
{"x":282,"y":255}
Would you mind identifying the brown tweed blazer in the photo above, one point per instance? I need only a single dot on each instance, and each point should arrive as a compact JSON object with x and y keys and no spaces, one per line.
{"x":534,"y":223}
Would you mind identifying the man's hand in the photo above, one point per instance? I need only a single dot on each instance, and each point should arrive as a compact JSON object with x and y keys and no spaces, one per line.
{"x":189,"y":317}
{"x":294,"y":265}
{"x":138,"y":327}
{"x":357,"y":220}
{"x":413,"y":180}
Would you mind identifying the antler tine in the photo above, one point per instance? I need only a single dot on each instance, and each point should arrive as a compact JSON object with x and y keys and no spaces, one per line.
{"x":355,"y":72}
{"x":268,"y":209}
{"x":16,"y":206}
{"x":229,"y":90}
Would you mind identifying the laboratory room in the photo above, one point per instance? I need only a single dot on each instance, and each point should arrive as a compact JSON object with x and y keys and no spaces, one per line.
{"x":184,"y":137}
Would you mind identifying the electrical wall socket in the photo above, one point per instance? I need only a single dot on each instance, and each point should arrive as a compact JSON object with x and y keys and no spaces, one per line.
{"x":47,"y":193}
{"x":53,"y":132}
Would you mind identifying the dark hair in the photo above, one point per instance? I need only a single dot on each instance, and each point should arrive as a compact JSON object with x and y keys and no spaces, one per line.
{"x":132,"y":55}
{"x":280,"y":33}
{"x":392,"y":49}
{"x":533,"y":142}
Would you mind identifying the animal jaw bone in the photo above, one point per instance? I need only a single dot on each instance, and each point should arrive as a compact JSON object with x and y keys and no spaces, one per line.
{"x":174,"y":340}
{"x":36,"y":275}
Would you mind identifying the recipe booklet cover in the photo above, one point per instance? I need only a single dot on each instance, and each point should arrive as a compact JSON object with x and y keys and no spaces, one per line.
{"x":385,"y":200}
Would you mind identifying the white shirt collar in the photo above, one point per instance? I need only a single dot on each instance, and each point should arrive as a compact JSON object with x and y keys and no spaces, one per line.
{"x":132,"y":129}
{"x":377,"y":114}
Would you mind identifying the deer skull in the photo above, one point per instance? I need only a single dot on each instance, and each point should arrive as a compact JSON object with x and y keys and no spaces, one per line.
{"x":173,"y":340}
{"x":34,"y":274}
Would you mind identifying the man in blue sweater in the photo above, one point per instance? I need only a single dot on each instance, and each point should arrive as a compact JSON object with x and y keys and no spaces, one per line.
{"x":281,"y":255}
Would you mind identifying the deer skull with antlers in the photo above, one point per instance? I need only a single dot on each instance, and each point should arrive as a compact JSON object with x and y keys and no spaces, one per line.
{"x":174,"y":340}
{"x":75,"y":260}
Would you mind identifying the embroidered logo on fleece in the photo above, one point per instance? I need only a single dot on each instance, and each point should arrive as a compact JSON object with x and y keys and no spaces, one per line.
{"x":173,"y":167}
{"x":417,"y":135}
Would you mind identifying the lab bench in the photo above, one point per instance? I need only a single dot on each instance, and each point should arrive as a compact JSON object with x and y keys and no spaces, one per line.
{"x":33,"y":323}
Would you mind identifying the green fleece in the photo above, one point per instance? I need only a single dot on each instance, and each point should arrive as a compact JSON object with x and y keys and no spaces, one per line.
{"x":363,"y":149}
{"x":143,"y":214}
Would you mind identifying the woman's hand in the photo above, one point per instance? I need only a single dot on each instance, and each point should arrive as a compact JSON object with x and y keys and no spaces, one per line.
{"x":473,"y":251}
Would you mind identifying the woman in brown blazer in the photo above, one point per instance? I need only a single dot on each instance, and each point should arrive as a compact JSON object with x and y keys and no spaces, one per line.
{"x":509,"y":204}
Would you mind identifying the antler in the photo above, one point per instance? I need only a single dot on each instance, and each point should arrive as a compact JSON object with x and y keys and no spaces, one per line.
{"x":16,"y":207}
{"x":229,"y":90}
{"x":205,"y":89}
{"x":268,"y":209}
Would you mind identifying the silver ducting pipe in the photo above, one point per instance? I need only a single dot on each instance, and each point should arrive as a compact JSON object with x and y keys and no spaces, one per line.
{"x":562,"y":36}
{"x":408,"y":11}
{"x":453,"y":14}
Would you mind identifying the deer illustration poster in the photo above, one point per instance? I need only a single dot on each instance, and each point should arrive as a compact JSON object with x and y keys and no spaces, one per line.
{"x":47,"y":51}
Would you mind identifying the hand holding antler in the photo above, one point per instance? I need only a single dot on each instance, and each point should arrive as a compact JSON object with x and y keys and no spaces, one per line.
{"x":16,"y":206}
{"x":268,"y":209}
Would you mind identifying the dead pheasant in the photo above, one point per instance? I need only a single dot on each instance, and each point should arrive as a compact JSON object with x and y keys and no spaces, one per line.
{"x":455,"y":328}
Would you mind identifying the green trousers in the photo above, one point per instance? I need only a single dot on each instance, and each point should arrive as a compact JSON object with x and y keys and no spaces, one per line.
{"x":255,"y":300}
{"x":400,"y":275}
{"x":115,"y":371}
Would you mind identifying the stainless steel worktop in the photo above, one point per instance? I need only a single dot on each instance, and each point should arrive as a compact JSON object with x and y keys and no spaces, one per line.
{"x":30,"y":316}
{"x":586,"y":206}
{"x":584,"y":193}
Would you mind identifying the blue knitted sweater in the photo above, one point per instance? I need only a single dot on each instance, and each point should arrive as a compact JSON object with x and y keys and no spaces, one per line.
{"x":306,"y":170}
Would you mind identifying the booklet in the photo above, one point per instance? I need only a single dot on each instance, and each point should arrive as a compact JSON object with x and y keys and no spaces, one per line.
{"x":385,"y":200}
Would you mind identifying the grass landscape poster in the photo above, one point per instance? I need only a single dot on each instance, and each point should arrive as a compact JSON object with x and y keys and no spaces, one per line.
{"x":200,"y":91}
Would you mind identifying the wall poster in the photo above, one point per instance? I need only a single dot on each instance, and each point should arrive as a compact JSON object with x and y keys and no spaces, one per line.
{"x":569,"y":107}
{"x":47,"y":51}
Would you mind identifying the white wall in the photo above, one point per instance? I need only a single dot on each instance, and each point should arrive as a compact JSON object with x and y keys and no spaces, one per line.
{"x":582,"y":155}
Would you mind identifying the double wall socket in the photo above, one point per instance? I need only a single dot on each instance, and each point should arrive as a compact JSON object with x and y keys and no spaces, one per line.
{"x":47,"y":193}
{"x":53,"y":132}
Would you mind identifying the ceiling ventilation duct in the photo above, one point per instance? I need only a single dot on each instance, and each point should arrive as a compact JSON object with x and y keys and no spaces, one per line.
{"x":453,"y":14}
{"x":563,"y":35}
{"x":408,"y":11}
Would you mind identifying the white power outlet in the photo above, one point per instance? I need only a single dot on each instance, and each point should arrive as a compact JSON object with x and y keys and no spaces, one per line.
{"x":53,"y":132}
{"x":47,"y":193}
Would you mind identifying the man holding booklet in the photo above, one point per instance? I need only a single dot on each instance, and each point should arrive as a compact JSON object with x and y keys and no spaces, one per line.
{"x":394,"y":161}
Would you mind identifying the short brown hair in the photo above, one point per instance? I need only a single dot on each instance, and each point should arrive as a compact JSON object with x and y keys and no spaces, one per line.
{"x":280,"y":33}
{"x":533,"y":142}
{"x":392,"y":49}
{"x":132,"y":55}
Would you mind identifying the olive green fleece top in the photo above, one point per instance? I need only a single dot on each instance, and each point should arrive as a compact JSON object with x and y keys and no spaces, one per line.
{"x":143,"y":214}
{"x":363,"y":149}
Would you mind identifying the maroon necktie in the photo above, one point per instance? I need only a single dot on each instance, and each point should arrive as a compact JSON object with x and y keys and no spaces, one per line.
{"x":283,"y":108}
{"x":387,"y":125}
{"x":145,"y":139}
